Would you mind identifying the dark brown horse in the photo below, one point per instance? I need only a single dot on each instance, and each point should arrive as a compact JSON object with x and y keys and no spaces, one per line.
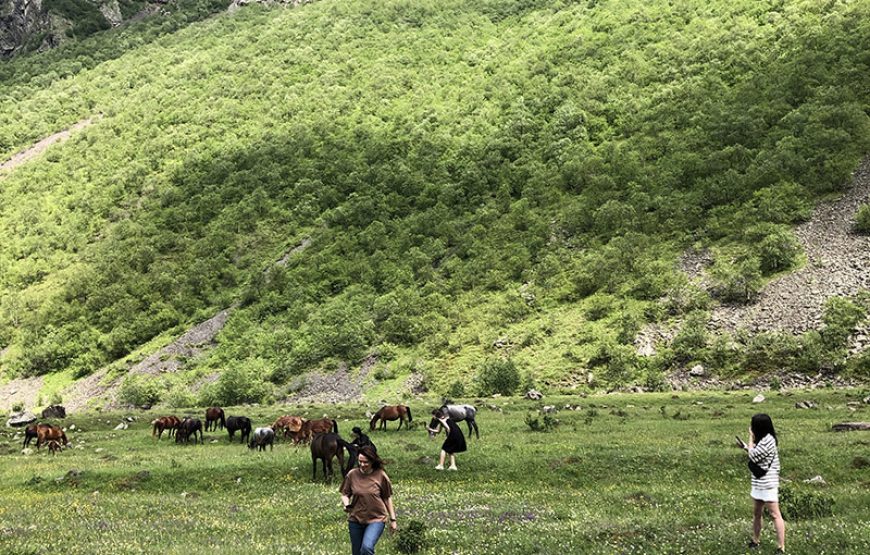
{"x":326,"y":447}
{"x":163,"y":424}
{"x":46,"y":433}
{"x":213,"y":417}
{"x":30,"y":433}
{"x":401,"y":413}
{"x":188,"y":427}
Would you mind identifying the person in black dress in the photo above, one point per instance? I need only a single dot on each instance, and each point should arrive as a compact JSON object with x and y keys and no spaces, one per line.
{"x":455,"y":442}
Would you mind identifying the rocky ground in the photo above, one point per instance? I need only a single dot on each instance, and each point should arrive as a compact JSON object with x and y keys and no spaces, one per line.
{"x":838,"y":264}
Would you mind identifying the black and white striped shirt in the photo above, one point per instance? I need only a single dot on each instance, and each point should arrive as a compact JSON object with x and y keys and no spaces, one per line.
{"x":765,"y":454}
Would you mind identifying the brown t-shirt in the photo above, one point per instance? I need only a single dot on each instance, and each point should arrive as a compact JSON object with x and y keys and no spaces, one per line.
{"x":368,"y":494}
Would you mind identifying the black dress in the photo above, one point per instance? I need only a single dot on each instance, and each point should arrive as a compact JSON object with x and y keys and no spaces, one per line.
{"x":455,"y":442}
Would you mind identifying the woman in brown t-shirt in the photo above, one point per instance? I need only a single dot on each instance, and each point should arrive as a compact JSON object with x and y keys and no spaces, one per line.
{"x":367,"y":496}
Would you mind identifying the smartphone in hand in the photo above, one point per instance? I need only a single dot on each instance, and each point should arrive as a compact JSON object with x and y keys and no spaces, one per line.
{"x":740,"y":442}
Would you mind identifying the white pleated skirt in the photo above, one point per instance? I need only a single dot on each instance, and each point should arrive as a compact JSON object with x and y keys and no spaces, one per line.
{"x":766,"y":495}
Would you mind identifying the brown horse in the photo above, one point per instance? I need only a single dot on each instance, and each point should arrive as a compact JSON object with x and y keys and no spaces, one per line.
{"x":213,"y":417}
{"x":290,"y":424}
{"x":310,"y":429}
{"x":46,"y":433}
{"x":325,"y":447}
{"x":391,"y":412}
{"x":165,"y":423}
{"x":53,"y":446}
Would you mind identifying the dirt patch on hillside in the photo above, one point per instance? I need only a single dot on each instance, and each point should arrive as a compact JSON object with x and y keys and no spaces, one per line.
{"x":22,"y":390}
{"x":838,"y":264}
{"x":40,"y":147}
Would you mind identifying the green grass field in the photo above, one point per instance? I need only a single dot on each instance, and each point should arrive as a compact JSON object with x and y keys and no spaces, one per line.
{"x":651,"y":473}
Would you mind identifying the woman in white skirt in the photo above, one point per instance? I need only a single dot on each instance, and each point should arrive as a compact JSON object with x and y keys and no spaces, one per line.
{"x":762,"y":449}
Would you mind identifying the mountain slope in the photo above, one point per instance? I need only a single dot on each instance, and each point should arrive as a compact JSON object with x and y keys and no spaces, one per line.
{"x":464,"y":172}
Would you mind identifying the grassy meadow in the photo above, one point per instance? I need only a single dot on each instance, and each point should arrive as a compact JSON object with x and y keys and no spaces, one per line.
{"x":649,"y":473}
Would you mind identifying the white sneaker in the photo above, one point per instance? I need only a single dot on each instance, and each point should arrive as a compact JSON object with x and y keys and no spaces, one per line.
{"x":439,"y":467}
{"x":453,"y":468}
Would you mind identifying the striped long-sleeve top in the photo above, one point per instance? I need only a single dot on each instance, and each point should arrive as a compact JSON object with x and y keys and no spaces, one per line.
{"x":766,"y":454}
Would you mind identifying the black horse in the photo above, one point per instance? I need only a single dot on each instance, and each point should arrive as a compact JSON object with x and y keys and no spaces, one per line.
{"x":188,"y":427}
{"x":458,"y":413}
{"x":325,"y":447}
{"x":241,"y":424}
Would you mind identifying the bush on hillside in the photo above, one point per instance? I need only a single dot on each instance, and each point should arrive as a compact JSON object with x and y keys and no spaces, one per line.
{"x":692,"y":338}
{"x":498,"y":376}
{"x":736,"y":280}
{"x":862,"y":219}
{"x":778,"y":250}
{"x":617,"y":362}
{"x":238,"y":385}
{"x":140,"y":390}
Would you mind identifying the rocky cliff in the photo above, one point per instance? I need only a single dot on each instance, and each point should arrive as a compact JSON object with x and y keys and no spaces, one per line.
{"x":22,"y":23}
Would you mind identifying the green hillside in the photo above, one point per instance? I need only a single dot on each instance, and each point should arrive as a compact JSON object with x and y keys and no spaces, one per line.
{"x":500,"y":180}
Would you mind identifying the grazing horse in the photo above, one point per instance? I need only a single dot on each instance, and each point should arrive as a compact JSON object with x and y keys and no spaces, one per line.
{"x":188,"y":427}
{"x":262,"y":438}
{"x":213,"y":417}
{"x":53,"y":446}
{"x":310,"y":429}
{"x":164,"y":423}
{"x":290,"y":425}
{"x":326,"y":446}
{"x":30,"y":433}
{"x":241,"y":424}
{"x":46,"y":433}
{"x":391,"y":412}
{"x":458,"y":413}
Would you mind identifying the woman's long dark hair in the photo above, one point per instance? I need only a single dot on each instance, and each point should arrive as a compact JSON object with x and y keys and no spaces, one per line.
{"x":761,"y":426}
{"x":372,"y":456}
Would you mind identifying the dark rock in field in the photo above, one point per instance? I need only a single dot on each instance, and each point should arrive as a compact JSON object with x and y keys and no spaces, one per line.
{"x":54,"y":411}
{"x":850,"y":426}
{"x":860,"y":462}
{"x":18,"y":419}
{"x":534,"y":395}
{"x":425,"y":459}
{"x":806,"y":405}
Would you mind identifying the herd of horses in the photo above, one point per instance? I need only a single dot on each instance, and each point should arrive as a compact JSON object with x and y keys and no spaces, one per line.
{"x":322,"y":434}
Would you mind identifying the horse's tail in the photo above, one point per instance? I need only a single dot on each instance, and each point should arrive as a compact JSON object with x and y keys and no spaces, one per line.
{"x":223,"y":421}
{"x":334,"y":426}
{"x":154,"y":431}
{"x":374,"y":421}
{"x":410,"y":418}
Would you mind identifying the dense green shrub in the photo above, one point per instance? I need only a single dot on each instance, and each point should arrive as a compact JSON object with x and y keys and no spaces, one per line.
{"x":736,"y":280}
{"x":778,"y":250}
{"x":140,"y":390}
{"x":541,"y":421}
{"x":498,"y":376}
{"x":455,"y":389}
{"x":802,"y":503}
{"x":237,"y":385}
{"x":692,"y":339}
{"x":412,"y":537}
{"x":618,"y":363}
{"x":862,"y":219}
{"x":840,"y":318}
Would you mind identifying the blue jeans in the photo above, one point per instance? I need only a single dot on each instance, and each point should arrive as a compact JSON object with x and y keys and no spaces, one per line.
{"x":363,"y":537}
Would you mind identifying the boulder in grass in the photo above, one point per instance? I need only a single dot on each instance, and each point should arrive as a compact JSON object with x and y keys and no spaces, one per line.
{"x":54,"y":411}
{"x":697,"y":371}
{"x":816,"y":480}
{"x":18,"y":419}
{"x":806,"y":405}
{"x":758,"y":398}
{"x":534,"y":395}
